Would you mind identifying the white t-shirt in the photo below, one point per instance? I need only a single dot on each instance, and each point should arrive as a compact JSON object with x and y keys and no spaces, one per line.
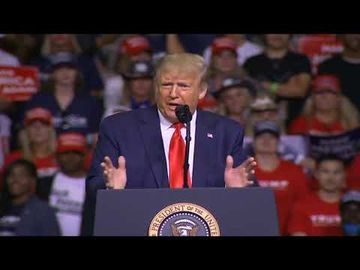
{"x":113,"y":92}
{"x":247,"y":50}
{"x":67,"y":197}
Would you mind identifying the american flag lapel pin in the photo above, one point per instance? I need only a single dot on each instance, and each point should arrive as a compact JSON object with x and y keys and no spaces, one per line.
{"x":210,"y":135}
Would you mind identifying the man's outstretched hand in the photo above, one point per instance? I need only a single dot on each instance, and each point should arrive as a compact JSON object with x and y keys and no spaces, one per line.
{"x":239,"y":176}
{"x":234,"y":177}
{"x":115,"y":178}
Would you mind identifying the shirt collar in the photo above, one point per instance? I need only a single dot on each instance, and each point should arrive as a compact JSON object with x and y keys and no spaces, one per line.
{"x":166,"y":124}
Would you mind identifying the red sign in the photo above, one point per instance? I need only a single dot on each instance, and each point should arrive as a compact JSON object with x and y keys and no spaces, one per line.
{"x":18,"y":83}
{"x":319,"y":47}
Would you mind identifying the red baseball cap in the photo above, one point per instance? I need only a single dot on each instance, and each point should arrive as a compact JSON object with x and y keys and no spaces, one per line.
{"x":135,"y":45}
{"x":39,"y":114}
{"x":71,"y":141}
{"x":326,"y":83}
{"x":223,"y":43}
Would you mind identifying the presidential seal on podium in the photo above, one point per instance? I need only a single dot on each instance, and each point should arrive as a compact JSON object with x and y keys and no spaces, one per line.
{"x":184,"y":219}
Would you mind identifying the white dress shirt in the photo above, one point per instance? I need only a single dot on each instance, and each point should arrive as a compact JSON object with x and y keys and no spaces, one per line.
{"x":167,"y":132}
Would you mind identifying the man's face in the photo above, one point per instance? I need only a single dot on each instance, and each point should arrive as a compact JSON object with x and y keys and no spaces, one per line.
{"x":178,"y":88}
{"x":266,"y":143}
{"x":331,"y":175}
{"x":20,"y":182}
{"x":225,"y":61}
{"x":236,"y":99}
{"x":71,"y":162}
{"x":352,"y":42}
{"x":277,"y":41}
{"x":141,"y":87}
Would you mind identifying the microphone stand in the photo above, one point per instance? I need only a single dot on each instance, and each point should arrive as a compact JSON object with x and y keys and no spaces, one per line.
{"x":184,"y":115}
{"x":186,"y":160}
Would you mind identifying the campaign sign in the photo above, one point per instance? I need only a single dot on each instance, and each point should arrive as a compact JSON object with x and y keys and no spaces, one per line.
{"x":345,"y":145}
{"x":18,"y":83}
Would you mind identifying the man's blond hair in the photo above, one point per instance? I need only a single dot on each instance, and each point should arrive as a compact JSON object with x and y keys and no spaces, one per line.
{"x":183,"y":63}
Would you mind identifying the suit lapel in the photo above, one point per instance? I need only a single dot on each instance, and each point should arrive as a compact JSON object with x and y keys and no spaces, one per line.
{"x":204,"y":151}
{"x":154,"y":147}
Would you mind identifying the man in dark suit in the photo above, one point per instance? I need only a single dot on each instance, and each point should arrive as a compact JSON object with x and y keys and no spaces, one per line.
{"x":142,"y":142}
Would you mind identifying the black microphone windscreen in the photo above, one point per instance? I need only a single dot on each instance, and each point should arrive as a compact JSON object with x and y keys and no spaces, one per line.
{"x":183,"y":113}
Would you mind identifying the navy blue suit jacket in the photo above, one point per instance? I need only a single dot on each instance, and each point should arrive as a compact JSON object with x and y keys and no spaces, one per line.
{"x":137,"y":136}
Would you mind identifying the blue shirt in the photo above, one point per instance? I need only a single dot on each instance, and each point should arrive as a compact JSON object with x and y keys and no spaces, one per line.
{"x":10,"y":220}
{"x":140,"y":105}
{"x":82,"y":115}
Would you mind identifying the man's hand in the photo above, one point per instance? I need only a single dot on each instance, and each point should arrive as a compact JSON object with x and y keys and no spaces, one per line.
{"x":115,"y":178}
{"x":239,"y":176}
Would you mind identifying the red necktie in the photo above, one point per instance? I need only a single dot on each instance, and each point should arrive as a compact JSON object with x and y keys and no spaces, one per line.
{"x":176,"y":158}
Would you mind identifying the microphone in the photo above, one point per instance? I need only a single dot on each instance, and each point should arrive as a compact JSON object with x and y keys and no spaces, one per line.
{"x":183,"y":113}
{"x":184,"y":116}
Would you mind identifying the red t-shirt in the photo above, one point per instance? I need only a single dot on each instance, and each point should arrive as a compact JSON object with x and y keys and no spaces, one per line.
{"x":302,"y":125}
{"x":313,"y":216}
{"x":289,"y":184}
{"x":354,"y":174}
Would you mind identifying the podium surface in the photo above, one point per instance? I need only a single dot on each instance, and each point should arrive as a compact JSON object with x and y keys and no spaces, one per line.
{"x":237,"y":211}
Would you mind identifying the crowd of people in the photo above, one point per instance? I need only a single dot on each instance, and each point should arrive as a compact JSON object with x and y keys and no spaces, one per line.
{"x":283,"y":89}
